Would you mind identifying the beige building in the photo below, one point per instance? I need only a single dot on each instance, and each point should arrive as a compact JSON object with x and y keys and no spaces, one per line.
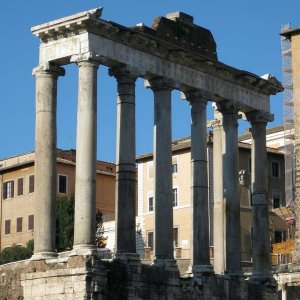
{"x":18,"y":193}
{"x":181,"y":165}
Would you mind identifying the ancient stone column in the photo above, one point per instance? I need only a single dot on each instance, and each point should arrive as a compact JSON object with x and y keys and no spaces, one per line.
{"x":162,"y":156}
{"x":219,"y":208}
{"x":259,"y":198}
{"x":231,"y":189}
{"x":125,"y":247}
{"x":85,"y":181}
{"x":45,"y":160}
{"x":200,"y":259}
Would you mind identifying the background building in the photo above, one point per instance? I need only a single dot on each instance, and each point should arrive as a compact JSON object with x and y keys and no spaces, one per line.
{"x":18,"y":195}
{"x":181,"y":161}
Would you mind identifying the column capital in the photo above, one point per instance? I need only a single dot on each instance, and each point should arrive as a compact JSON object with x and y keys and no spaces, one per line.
{"x":124,"y":74}
{"x":48,"y":69}
{"x":160,"y":83}
{"x":227,"y":107}
{"x":259,"y":116}
{"x":87,"y":58}
{"x":196,"y":95}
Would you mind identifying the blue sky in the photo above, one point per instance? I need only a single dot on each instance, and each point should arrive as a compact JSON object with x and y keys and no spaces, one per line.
{"x":246,"y":32}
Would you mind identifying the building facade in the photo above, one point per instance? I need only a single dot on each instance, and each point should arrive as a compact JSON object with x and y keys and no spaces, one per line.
{"x":17,"y":184}
{"x":181,"y":169}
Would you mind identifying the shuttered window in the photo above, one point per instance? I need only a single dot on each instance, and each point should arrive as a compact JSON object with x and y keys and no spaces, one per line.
{"x":20,"y":186}
{"x":62,"y":184}
{"x":30,"y":222}
{"x":19,"y":224}
{"x":31,"y":183}
{"x":7,"y":227}
{"x":8,"y":189}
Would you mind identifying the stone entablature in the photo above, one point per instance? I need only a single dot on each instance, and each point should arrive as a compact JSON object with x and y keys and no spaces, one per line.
{"x":85,"y":34}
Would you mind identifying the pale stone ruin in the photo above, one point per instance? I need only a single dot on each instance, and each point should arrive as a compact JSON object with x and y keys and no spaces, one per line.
{"x":173,"y":54}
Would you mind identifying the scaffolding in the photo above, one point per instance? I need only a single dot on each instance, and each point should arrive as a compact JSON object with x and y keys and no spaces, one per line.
{"x":288,"y":117}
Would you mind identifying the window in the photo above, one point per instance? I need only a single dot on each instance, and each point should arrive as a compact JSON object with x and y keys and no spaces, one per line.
{"x":276,"y":197}
{"x":175,"y":237}
{"x":150,"y":240}
{"x":19,"y":224}
{"x":109,"y":169}
{"x":150,"y":170}
{"x":275,"y":169}
{"x":30,"y":222}
{"x":7,"y":227}
{"x":175,"y":197}
{"x":8,"y":189}
{"x":174,"y":165}
{"x":31,"y":183}
{"x":150,"y":204}
{"x":279,"y":236}
{"x":62,"y":184}
{"x":20,"y":187}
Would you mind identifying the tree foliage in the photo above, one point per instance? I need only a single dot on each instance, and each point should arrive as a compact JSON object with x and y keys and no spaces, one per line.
{"x":16,"y":252}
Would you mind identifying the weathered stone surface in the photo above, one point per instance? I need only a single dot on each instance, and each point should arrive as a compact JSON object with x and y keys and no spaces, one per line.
{"x":91,"y":278}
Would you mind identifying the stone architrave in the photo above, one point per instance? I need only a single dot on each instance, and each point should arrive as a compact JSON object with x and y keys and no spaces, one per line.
{"x":45,"y":160}
{"x":125,"y":248}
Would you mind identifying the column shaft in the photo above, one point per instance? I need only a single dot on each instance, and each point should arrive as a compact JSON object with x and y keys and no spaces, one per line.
{"x":85,"y":184}
{"x":45,"y":161}
{"x":126,"y":170}
{"x":219,"y":209}
{"x":200,"y":260}
{"x":259,"y":178}
{"x":163,"y":175}
{"x":231,"y":192}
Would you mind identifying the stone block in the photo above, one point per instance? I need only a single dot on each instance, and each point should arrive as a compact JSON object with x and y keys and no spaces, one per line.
{"x":55,"y":289}
{"x":38,"y":290}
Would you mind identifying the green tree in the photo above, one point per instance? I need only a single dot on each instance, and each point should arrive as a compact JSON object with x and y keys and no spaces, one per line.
{"x":100,"y":239}
{"x":16,"y":252}
{"x":64,"y":223}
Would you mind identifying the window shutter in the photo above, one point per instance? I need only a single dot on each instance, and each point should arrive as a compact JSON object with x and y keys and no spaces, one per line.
{"x":12,"y":189}
{"x":4,"y":190}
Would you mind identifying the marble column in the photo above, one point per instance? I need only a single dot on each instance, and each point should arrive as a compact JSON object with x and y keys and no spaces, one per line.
{"x":200,"y":259}
{"x":85,"y":181}
{"x":45,"y":160}
{"x":259,"y":198}
{"x":162,"y":156}
{"x":125,"y":248}
{"x":219,"y":221}
{"x":231,"y":189}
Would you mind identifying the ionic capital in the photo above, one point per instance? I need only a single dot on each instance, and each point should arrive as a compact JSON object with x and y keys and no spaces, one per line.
{"x":124,"y":74}
{"x":160,"y":83}
{"x":87,"y":59}
{"x":259,"y":116}
{"x":196,"y":95}
{"x":48,"y":69}
{"x":227,"y":107}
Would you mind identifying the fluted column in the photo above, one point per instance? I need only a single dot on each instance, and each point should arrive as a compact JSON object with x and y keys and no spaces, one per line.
{"x":231,"y":189}
{"x":125,"y":247}
{"x":45,"y":160}
{"x":259,"y":197}
{"x":219,"y":207}
{"x":162,"y":156}
{"x":200,"y":260}
{"x":85,"y":181}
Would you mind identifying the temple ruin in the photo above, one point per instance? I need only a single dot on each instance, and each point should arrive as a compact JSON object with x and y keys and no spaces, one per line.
{"x":176,"y":54}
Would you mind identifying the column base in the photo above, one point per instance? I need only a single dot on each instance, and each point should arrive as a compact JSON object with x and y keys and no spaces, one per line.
{"x":83,"y":250}
{"x":168,"y":264}
{"x":198,"y":271}
{"x":262,"y":277}
{"x":43,"y":255}
{"x":235,"y":273}
{"x":128,"y":258}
